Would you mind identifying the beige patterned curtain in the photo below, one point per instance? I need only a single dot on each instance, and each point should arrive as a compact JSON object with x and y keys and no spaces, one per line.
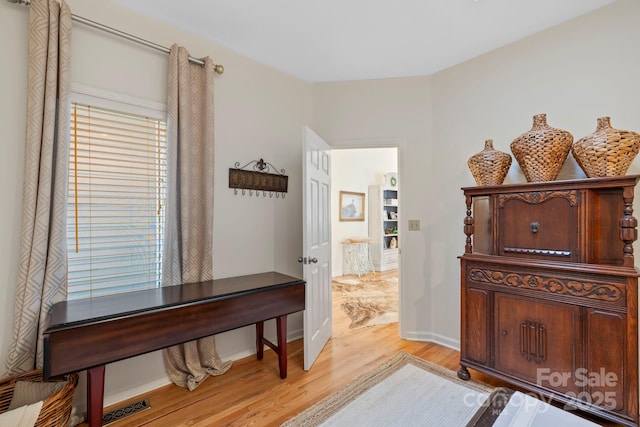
{"x":42,"y":273}
{"x":188,"y":242}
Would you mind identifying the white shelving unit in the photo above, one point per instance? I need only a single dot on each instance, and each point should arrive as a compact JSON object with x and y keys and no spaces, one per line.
{"x":384,"y":222}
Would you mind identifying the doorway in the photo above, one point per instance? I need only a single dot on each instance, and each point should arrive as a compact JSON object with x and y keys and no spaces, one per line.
{"x":365,"y":285}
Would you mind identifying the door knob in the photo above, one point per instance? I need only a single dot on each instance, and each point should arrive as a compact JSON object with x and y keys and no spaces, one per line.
{"x":302,"y":260}
{"x":313,"y":260}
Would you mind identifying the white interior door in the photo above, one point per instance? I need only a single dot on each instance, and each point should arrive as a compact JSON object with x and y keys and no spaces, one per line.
{"x":316,"y":237}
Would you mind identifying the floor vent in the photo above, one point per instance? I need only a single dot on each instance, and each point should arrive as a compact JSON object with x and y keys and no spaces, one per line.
{"x":125,"y":411}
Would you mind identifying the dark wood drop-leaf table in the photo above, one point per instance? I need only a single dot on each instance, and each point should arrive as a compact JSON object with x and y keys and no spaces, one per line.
{"x":89,"y":333}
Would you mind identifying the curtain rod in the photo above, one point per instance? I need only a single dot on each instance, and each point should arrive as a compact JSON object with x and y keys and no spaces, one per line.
{"x":219,"y":69}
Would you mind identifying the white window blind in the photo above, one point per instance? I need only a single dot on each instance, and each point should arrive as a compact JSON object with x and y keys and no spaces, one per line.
{"x":117,"y":170}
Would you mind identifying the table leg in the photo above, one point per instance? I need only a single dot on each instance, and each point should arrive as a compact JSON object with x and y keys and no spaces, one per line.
{"x":281,"y":344}
{"x":281,"y":326}
{"x":95,"y":395}
{"x":259,"y":341}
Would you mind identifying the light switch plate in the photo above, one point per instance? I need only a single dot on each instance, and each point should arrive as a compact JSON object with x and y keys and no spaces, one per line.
{"x":414,"y":225}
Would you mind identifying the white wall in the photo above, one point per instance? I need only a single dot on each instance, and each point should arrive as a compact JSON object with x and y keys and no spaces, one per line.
{"x":259,"y":114}
{"x":355,"y":170}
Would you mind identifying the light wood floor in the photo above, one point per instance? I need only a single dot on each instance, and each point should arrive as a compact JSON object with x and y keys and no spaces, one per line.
{"x":251,"y":393}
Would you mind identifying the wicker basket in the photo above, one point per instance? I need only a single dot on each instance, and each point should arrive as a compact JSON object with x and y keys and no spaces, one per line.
{"x":607,"y":151}
{"x":541,"y":151}
{"x":56,"y":409}
{"x":490,"y":166}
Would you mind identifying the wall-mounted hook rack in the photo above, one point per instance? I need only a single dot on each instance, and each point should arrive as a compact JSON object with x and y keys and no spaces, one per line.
{"x":258,"y":175}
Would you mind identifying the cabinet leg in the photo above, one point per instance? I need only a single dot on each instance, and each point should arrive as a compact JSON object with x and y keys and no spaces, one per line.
{"x":463,"y":373}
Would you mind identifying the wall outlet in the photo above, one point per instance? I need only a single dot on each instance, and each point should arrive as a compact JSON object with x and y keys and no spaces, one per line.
{"x":414,"y":225}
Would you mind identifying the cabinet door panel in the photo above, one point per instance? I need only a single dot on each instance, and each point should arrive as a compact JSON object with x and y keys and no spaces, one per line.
{"x":540,"y":229}
{"x":476,"y":332}
{"x":483,"y":223}
{"x":603,"y":376}
{"x":537,"y":341}
{"x":604,"y":216}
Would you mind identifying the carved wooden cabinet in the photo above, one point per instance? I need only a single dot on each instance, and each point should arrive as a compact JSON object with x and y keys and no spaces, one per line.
{"x":549,"y":291}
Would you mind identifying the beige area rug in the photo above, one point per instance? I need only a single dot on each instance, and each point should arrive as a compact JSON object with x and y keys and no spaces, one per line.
{"x":404,"y":391}
{"x":367,"y":302}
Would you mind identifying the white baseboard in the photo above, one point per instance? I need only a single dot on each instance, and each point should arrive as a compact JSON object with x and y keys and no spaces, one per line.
{"x":434,"y":338}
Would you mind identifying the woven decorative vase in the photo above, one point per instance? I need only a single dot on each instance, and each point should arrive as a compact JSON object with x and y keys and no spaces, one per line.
{"x":490,"y":166}
{"x":607,"y":151}
{"x":541,"y":151}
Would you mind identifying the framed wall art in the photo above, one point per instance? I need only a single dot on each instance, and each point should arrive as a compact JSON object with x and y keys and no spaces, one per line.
{"x":351,"y":206}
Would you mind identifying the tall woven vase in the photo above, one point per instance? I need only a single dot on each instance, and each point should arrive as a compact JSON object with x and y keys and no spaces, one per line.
{"x":490,"y":166}
{"x":607,"y":151}
{"x":541,"y":151}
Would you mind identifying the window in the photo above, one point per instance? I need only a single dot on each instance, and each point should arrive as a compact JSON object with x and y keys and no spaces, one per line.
{"x":117,"y":170}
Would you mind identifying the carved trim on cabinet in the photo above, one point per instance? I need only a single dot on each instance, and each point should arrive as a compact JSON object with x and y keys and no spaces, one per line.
{"x":585,"y":289}
{"x":536,"y":197}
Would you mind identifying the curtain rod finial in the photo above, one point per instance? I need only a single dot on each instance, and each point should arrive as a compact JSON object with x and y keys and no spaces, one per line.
{"x":219,"y":69}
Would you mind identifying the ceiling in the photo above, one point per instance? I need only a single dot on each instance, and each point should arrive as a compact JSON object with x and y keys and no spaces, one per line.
{"x":333,"y":40}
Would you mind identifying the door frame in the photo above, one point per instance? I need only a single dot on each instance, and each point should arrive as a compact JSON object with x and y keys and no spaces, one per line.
{"x":399,"y":144}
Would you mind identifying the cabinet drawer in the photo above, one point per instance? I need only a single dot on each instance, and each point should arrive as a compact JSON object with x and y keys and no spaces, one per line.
{"x":390,"y":256}
{"x":537,"y":341}
{"x":539,"y":224}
